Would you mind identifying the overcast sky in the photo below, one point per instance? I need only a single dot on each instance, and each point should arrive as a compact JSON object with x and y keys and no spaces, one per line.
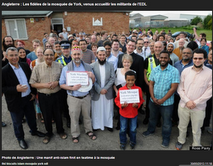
{"x":148,"y":13}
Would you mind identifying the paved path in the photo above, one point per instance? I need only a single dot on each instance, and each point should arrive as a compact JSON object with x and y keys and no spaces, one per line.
{"x":105,"y":140}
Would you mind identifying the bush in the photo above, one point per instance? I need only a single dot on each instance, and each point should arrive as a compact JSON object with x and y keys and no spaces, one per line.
{"x":196,"y":20}
{"x":208,"y":22}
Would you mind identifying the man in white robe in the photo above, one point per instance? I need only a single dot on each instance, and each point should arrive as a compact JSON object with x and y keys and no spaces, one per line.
{"x":102,"y":96}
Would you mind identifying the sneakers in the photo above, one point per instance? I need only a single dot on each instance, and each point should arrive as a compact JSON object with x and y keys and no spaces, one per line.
{"x":122,"y":146}
{"x":178,"y":146}
{"x":165,"y":143}
{"x":146,"y":133}
{"x":132,"y":145}
{"x":209,"y":130}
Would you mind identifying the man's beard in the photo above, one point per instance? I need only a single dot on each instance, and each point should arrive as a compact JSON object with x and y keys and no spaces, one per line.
{"x":164,"y":64}
{"x":170,"y":51}
{"x":102,"y":62}
{"x":58,"y":52}
{"x":198,"y":66}
{"x":78,"y":61}
{"x":186,"y":59}
{"x":7,"y":46}
{"x":139,"y":48}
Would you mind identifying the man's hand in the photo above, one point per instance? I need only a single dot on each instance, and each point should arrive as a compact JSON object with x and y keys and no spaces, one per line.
{"x":155,"y":101}
{"x":53,"y":85}
{"x":103,"y":91}
{"x":135,"y":105}
{"x":190,"y":105}
{"x":90,"y":74}
{"x":160,"y":101}
{"x":33,"y":97}
{"x":21,"y":88}
{"x":76,"y":87}
{"x":4,"y":54}
{"x":124,"y":105}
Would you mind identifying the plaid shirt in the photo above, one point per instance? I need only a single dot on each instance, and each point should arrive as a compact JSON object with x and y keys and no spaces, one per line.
{"x":163,"y":80}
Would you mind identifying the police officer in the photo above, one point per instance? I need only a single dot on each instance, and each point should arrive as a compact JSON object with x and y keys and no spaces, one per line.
{"x":64,"y":60}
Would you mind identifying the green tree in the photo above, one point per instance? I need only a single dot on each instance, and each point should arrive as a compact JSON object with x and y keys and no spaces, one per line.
{"x":196,"y":20}
{"x":210,"y":24}
{"x":206,"y":22}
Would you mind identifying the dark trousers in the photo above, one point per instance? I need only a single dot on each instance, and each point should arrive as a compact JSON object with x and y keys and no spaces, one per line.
{"x":27,"y":110}
{"x":147,"y":102}
{"x":208,"y":113}
{"x":50,"y":106}
{"x":63,"y":103}
{"x":175,"y":117}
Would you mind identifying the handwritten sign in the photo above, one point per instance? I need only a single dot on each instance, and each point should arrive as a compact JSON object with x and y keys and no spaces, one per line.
{"x":74,"y":78}
{"x":129,"y":96}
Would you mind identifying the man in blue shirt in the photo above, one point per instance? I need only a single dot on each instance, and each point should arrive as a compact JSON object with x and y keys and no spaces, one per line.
{"x":78,"y":101}
{"x":164,"y":80}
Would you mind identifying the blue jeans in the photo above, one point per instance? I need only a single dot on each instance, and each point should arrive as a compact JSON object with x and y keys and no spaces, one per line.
{"x":123,"y":129}
{"x":27,"y":110}
{"x":166,"y":114}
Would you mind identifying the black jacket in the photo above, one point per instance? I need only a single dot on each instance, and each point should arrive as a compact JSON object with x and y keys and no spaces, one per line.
{"x":9,"y":83}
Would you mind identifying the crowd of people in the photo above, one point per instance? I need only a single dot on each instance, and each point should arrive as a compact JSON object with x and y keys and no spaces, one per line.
{"x":175,"y":75}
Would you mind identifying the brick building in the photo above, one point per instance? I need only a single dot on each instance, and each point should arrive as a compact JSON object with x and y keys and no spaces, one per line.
{"x":29,"y":25}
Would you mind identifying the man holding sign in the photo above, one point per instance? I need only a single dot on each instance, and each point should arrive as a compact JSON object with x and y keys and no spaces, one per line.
{"x":78,"y":99}
{"x":129,"y":100}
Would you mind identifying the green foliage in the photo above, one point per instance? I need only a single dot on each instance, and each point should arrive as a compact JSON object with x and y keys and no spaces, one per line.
{"x":196,"y":20}
{"x":210,"y":24}
{"x":208,"y":19}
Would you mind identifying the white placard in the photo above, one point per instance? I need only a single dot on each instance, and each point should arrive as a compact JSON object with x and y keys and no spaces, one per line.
{"x":129,"y":96}
{"x":75,"y":77}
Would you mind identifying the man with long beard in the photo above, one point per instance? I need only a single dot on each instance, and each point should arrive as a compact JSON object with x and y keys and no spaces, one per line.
{"x":164,"y":80}
{"x":102,"y":98}
{"x":7,"y":42}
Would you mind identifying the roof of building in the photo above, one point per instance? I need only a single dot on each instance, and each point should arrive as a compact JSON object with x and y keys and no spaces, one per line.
{"x":26,"y":13}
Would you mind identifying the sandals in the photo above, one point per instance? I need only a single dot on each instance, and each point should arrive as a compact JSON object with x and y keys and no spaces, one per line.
{"x":91,"y":135}
{"x":75,"y":139}
{"x":63,"y":135}
{"x":46,"y":139}
{"x":42,"y":120}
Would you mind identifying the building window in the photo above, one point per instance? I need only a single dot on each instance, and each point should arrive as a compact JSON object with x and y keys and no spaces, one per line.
{"x":16,"y":28}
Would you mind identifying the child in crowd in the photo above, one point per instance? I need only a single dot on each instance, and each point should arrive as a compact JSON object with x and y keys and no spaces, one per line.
{"x":128,"y":111}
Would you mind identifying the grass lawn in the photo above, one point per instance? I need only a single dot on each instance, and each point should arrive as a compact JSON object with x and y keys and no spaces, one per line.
{"x":173,"y":30}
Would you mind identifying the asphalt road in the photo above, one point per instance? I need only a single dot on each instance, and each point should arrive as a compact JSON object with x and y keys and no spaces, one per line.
{"x":105,"y":140}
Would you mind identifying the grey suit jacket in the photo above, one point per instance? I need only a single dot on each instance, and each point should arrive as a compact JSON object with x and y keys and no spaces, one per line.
{"x":109,"y":80}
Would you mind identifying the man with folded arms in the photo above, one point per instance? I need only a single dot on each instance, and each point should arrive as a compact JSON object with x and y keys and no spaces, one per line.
{"x":45,"y":78}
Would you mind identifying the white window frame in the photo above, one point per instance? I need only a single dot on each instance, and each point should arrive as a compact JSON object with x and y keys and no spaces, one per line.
{"x":15,"y":21}
{"x":52,"y":22}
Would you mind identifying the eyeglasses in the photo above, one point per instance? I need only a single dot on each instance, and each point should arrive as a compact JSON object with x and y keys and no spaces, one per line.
{"x":146,"y":42}
{"x":186,"y":53}
{"x":197,"y":58}
{"x":48,"y":55}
